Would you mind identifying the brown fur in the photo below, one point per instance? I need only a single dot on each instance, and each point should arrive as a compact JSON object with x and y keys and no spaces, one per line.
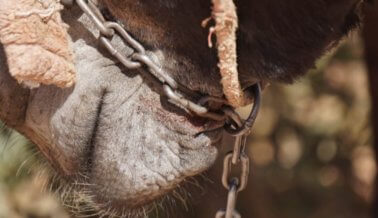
{"x":277,"y":40}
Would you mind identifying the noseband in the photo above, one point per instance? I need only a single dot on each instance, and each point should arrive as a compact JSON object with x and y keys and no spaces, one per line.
{"x":176,"y":93}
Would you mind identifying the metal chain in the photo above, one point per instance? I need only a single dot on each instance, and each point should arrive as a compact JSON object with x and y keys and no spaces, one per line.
{"x":234,"y":125}
{"x":238,"y":158}
{"x":140,"y":58}
{"x":233,"y":184}
{"x":172,"y":89}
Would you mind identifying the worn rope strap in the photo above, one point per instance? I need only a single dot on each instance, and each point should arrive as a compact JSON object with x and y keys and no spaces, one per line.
{"x":226,"y":24}
{"x":175,"y":93}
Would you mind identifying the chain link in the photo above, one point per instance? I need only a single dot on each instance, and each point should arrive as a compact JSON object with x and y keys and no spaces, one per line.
{"x":227,"y":169}
{"x":234,"y":124}
{"x":230,"y":211}
{"x":234,"y":185}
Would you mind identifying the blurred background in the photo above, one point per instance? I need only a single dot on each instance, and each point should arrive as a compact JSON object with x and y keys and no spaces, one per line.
{"x":312,"y":147}
{"x":311,"y":153}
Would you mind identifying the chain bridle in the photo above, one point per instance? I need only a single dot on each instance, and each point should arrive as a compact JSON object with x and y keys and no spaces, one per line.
{"x":175,"y":93}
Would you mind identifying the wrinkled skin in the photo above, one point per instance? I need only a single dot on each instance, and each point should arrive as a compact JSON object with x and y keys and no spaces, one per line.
{"x":115,"y":127}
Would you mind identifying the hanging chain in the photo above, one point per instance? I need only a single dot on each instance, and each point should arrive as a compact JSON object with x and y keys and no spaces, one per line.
{"x":234,"y":125}
{"x":238,"y":158}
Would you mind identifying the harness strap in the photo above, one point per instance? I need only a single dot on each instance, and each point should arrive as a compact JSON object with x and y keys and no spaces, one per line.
{"x":226,"y":25}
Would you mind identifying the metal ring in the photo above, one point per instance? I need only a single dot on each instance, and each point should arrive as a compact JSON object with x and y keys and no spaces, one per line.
{"x":248,"y":123}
